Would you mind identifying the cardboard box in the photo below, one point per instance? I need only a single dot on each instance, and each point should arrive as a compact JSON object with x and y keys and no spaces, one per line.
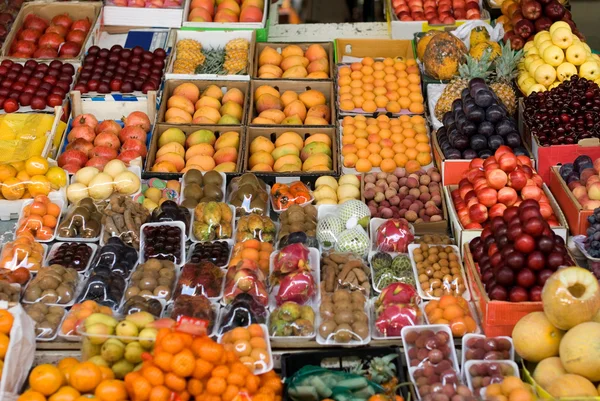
{"x":170,"y":85}
{"x":498,"y":318}
{"x":144,"y":17}
{"x":304,"y":132}
{"x":436,"y":227}
{"x":463,"y":236}
{"x":574,"y":213}
{"x":224,"y":25}
{"x":76,"y":10}
{"x":279,"y":46}
{"x":360,"y":48}
{"x":548,"y":156}
{"x":325,"y":87}
{"x":209,"y":41}
{"x":187,"y":129}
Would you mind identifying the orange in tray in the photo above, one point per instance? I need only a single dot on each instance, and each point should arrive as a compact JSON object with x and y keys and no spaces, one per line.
{"x":254,"y":250}
{"x":40,"y":218}
{"x":453,"y":311}
{"x":249,"y":345}
{"x":22,"y":252}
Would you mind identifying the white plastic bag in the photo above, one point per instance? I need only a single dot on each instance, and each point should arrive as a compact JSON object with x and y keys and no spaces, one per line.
{"x":19,"y":356}
{"x":463,"y":32}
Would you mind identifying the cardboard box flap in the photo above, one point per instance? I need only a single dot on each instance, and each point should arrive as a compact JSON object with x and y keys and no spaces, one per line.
{"x":360,"y":48}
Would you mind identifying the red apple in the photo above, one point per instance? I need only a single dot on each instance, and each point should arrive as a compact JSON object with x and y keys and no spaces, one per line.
{"x":478,"y":213}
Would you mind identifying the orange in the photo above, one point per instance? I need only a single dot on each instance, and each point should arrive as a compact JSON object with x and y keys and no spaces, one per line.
{"x":240,"y":333}
{"x":160,"y":393}
{"x":107,"y":373}
{"x":471,"y":325}
{"x":431,"y":305}
{"x":230,"y":393}
{"x":6,"y":321}
{"x":153,"y":374}
{"x":31,"y":395}
{"x":175,"y":382}
{"x":183,"y":363}
{"x":202,"y":369}
{"x":216,"y":385}
{"x":447,"y":300}
{"x":458,"y":327}
{"x":85,"y":376}
{"x":163,"y":359}
{"x":111,"y":390}
{"x":520,"y":394}
{"x":7,"y":171}
{"x":494,"y":389}
{"x":45,"y":379}
{"x":220,"y":371}
{"x":242,"y":348}
{"x":137,"y":386}
{"x":453,"y":311}
{"x":172,"y":343}
{"x":36,"y":165}
{"x":511,"y":383}
{"x":65,"y":393}
{"x":212,"y":352}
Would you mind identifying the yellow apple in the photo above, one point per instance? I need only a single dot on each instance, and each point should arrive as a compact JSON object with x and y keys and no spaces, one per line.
{"x":596,"y":57}
{"x":562,"y":37}
{"x":554,"y":85}
{"x":540,"y":37}
{"x":529,"y":60}
{"x":528,"y":83}
{"x":532,"y":50}
{"x":543,"y":46}
{"x":587,"y":47}
{"x":565,"y":71}
{"x":534,"y":66}
{"x":589,"y":70}
{"x":559,"y":24}
{"x":528,"y":46}
{"x":536,"y":88}
{"x":522,"y":77}
{"x":576,"y":54}
{"x":545,"y":74}
{"x":553,"y":55}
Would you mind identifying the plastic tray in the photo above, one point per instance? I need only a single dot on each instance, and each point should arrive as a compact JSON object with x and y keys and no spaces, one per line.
{"x":472,"y":311}
{"x":211,"y":299}
{"x":273,"y":208}
{"x":374,"y":224}
{"x":466,"y":295}
{"x":50,"y":254}
{"x":214,"y":306}
{"x":32,"y":272}
{"x":178,"y":224}
{"x":436,"y":328}
{"x":269,"y":351}
{"x":223,"y":187}
{"x":229,"y":242}
{"x":467,"y":337}
{"x":55,"y":334}
{"x":293,"y":339}
{"x":393,"y":255}
{"x":193,"y":238}
{"x":60,"y":203}
{"x":351,"y":343}
{"x":163,"y":304}
{"x":128,"y":283}
{"x":315,"y":270}
{"x":77,"y":292}
{"x":18,"y":287}
{"x":470,"y":379}
{"x":579,"y":243}
{"x":134,"y":169}
{"x":374,"y":331}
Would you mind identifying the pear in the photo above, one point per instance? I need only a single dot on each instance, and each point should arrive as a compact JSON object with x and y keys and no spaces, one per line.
{"x":133,"y":352}
{"x":90,"y":349}
{"x":112,"y":350}
{"x":98,"y":361}
{"x":126,"y":329}
{"x":147,"y":337}
{"x":121,"y":368}
{"x":140,"y":319}
{"x":98,"y":332}
{"x":100,"y":318}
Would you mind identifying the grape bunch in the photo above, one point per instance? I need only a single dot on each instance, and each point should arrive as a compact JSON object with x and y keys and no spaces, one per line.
{"x":592,"y":242}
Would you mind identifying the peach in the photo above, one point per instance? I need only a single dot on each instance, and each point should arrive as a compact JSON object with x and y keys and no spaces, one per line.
{"x":260,"y":157}
{"x":200,"y":14}
{"x":296,"y":107}
{"x":164,"y":167}
{"x":173,"y":158}
{"x":208,"y":112}
{"x":292,"y":50}
{"x":229,"y":5}
{"x":208,"y":5}
{"x":226,"y":15}
{"x":268,"y":101}
{"x":226,"y":155}
{"x":271,"y":70}
{"x":590,"y":204}
{"x":261,"y":167}
{"x":315,"y":52}
{"x":177,"y":116}
{"x":251,"y":14}
{"x":234,"y":95}
{"x":206,"y":163}
{"x":232,"y":109}
{"x":198,"y":150}
{"x":290,"y":61}
{"x":261,"y":143}
{"x":318,"y":75}
{"x":292,"y":120}
{"x":208,"y":102}
{"x":182,"y":103}
{"x":321,"y":110}
{"x":319,"y":65}
{"x":592,"y":180}
{"x":227,"y":167}
{"x":261,"y":90}
{"x":315,"y":121}
{"x":272,"y":114}
{"x":188,"y":90}
{"x":296,"y":71}
{"x":213,"y":91}
{"x":228,"y":139}
{"x":312,"y":98}
{"x":593,"y":191}
{"x":263,"y":121}
{"x":172,"y":147}
{"x":268,"y":55}
{"x":288,"y":97}
{"x":579,"y":192}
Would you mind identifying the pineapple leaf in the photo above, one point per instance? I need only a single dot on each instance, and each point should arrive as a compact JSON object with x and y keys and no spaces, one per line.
{"x":506,"y":63}
{"x":473,"y":68}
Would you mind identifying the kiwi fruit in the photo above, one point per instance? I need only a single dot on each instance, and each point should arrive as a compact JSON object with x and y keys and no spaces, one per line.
{"x":193,"y":191}
{"x":193,"y":176}
{"x":213,"y":191}
{"x":189,"y":203}
{"x":343,"y":333}
{"x":212,"y":177}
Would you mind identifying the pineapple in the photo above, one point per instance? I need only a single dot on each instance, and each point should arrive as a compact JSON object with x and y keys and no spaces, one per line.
{"x":506,"y":69}
{"x":183,"y":67}
{"x":236,"y":56}
{"x":189,"y":44}
{"x":189,"y":56}
{"x":382,"y":369}
{"x":472,"y":68}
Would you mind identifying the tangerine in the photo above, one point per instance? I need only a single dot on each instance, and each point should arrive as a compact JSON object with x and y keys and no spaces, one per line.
{"x":45,"y":379}
{"x":85,"y":377}
{"x":111,"y":390}
{"x":160,"y":393}
{"x":65,"y":393}
{"x":31,"y":395}
{"x":6,"y":321}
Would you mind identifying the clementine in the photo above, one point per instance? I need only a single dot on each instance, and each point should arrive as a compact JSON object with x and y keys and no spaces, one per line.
{"x":111,"y":390}
{"x":45,"y":379}
{"x":6,"y":321}
{"x":65,"y":393}
{"x":85,"y":377}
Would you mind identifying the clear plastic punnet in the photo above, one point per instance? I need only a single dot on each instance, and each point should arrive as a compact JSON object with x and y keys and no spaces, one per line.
{"x":242,"y":311}
{"x":48,"y":319}
{"x":123,"y":218}
{"x":343,"y":270}
{"x":246,"y":277}
{"x":248,"y":194}
{"x":138,"y":303}
{"x":81,"y":222}
{"x":77,"y":255}
{"x":397,"y":306}
{"x":255,"y":226}
{"x":388,"y":268}
{"x":212,"y":221}
{"x":153,"y":279}
{"x":23,"y":252}
{"x":40,"y":218}
{"x":163,"y":240}
{"x":197,"y":307}
{"x":117,"y":257}
{"x":285,"y":195}
{"x":394,"y":235}
{"x":343,"y":319}
{"x":295,"y":275}
{"x":104,"y":286}
{"x":53,"y":285}
{"x":479,"y":347}
{"x":292,"y":321}
{"x":170,"y":211}
{"x":204,"y":278}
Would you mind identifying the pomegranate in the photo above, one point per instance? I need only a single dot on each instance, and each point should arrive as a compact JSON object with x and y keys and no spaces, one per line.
{"x":128,"y":156}
{"x":132,"y":132}
{"x":71,"y":168}
{"x":83,"y":131}
{"x":57,"y":29}
{"x":136,"y":146}
{"x":35,"y":22}
{"x":107,"y":138}
{"x":104,"y":151}
{"x":69,"y":49}
{"x":30,"y":35}
{"x":72,"y":156}
{"x":98,"y":162}
{"x":85,"y":119}
{"x":53,"y":40}
{"x":63,"y":20}
{"x":45,"y":52}
{"x":81,"y":25}
{"x":76,"y":37}
{"x":138,"y":118}
{"x":24,"y":47}
{"x":82,"y":145}
{"x":109,"y":126}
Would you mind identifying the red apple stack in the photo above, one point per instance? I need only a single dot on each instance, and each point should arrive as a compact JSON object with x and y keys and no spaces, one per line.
{"x":226,"y":11}
{"x":517,"y":252}
{"x":94,"y":144}
{"x":63,"y":37}
{"x":492,"y":185}
{"x":436,"y":11}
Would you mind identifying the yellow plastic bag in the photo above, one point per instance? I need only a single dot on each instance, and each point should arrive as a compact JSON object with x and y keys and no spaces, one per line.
{"x":24,"y":135}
